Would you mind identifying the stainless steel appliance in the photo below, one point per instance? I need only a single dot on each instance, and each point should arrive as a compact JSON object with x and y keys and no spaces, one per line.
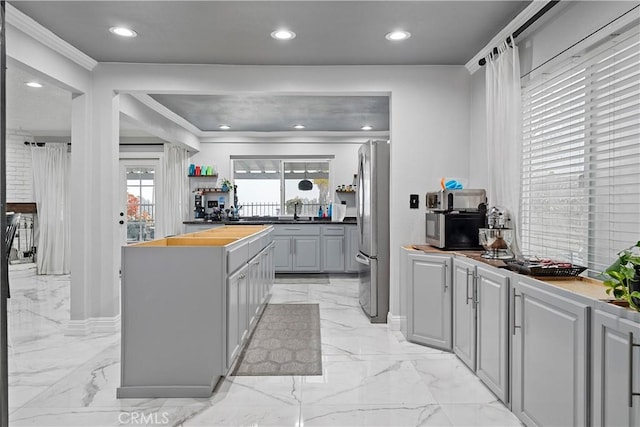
{"x":455,"y":230}
{"x":497,"y":239}
{"x":373,"y":226}
{"x":454,"y":217}
{"x":460,"y":200}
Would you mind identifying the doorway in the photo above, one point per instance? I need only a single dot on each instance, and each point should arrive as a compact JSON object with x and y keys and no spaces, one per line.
{"x":140,"y":180}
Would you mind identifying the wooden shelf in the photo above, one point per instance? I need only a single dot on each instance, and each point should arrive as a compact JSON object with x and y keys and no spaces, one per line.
{"x":210,"y":190}
{"x":345,"y":191}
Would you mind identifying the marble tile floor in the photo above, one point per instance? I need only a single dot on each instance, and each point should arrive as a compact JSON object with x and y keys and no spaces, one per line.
{"x":371,"y":376}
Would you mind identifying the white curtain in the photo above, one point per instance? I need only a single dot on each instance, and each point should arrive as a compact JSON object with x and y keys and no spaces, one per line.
{"x":175,"y":189}
{"x":50,"y":166}
{"x":504,"y":137}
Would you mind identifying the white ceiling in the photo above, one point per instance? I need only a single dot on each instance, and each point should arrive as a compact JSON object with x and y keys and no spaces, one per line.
{"x":237,"y":32}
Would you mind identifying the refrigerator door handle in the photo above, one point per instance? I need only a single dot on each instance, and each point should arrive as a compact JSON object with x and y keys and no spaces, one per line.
{"x":362,"y":259}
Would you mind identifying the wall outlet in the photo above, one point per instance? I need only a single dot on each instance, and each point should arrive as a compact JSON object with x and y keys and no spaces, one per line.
{"x":414,"y":201}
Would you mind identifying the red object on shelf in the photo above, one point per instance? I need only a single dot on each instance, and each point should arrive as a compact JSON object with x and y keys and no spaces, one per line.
{"x":197,"y":170}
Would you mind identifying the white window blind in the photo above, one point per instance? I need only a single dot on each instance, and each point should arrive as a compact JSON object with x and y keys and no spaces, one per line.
{"x":581,"y":155}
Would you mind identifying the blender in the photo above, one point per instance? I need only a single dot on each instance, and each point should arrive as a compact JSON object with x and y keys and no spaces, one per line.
{"x":498,"y":237}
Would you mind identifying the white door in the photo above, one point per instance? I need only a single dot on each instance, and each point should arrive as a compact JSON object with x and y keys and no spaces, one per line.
{"x":139,"y":200}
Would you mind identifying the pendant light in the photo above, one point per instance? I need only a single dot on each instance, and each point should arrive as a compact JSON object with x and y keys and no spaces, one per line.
{"x":305,"y":184}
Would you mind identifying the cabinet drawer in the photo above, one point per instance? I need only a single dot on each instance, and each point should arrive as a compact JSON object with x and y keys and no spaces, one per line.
{"x":333,"y":230}
{"x":237,"y":256}
{"x":255,"y":246}
{"x":297,"y":230}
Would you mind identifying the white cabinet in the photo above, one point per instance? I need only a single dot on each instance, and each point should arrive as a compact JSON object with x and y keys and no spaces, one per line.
{"x":550,"y":353}
{"x":481,"y":322}
{"x":351,"y":240}
{"x":428,"y":298}
{"x":615,"y":371}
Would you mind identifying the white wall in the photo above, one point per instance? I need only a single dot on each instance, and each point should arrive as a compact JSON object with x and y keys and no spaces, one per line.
{"x":19,"y":170}
{"x":343,"y":166}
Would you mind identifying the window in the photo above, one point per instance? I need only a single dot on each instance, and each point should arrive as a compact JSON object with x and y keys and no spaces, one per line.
{"x":140,"y":204}
{"x":581,"y":155}
{"x":270,"y":186}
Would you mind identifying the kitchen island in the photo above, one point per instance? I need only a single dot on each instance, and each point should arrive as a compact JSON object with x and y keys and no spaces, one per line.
{"x":188,"y":305}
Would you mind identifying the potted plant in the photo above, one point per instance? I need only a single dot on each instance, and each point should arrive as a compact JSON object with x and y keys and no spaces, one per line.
{"x":225,"y":184}
{"x":624,"y":277}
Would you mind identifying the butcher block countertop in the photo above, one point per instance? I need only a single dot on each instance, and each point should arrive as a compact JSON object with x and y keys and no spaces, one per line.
{"x":585,"y":286}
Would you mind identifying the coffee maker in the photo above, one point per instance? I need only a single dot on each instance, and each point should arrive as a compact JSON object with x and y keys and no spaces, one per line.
{"x":198,"y":209}
{"x":498,"y":237}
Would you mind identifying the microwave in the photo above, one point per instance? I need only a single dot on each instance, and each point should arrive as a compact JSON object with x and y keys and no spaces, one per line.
{"x":456,"y":230}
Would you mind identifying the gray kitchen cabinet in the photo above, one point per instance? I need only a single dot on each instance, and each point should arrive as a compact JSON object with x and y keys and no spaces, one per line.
{"x":481,"y":322}
{"x":283,"y":253}
{"x":550,"y":353}
{"x":428,"y":299}
{"x":306,"y":253}
{"x":236,"y":312}
{"x":464,"y":311}
{"x":333,"y":248}
{"x":297,"y":248}
{"x":352,"y":248}
{"x":615,"y":371}
{"x":492,"y":329}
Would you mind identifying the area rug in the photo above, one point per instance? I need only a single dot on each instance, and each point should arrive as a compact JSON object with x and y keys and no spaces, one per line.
{"x":286,"y":341}
{"x":294,"y":279}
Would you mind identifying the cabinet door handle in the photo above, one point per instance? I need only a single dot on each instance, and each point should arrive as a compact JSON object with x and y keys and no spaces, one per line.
{"x":631,"y":346}
{"x":515,"y":295}
{"x":469,"y":273}
{"x":444,"y":277}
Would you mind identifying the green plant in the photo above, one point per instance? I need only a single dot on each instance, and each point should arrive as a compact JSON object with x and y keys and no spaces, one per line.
{"x":225,"y":182}
{"x":621,"y":273}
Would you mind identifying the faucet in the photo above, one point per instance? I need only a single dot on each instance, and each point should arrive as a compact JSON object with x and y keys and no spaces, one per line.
{"x":295,"y":211}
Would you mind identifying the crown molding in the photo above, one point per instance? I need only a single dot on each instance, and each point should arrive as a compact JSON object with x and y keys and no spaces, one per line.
{"x":30,"y":27}
{"x":472,"y":66}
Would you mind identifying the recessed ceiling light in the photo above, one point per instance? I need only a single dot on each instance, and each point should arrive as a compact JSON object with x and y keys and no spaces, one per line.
{"x":397,"y":35}
{"x":283,"y":35}
{"x":123,"y":31}
{"x":224,"y":127}
{"x":298,"y":126}
{"x":366,"y":127}
{"x":33,"y":84}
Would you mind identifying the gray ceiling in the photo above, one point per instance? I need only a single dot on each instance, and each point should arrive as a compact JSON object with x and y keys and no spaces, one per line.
{"x":278,"y":113}
{"x":237,"y":32}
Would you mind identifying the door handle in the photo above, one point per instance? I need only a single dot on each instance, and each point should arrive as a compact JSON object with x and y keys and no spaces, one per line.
{"x":631,"y":346}
{"x":469,"y":273}
{"x":515,"y":295}
{"x":362,"y":259}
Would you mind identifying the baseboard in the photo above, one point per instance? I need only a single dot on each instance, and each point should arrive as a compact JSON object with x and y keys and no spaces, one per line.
{"x":148,"y":392}
{"x":93,"y":325}
{"x":396,"y":323}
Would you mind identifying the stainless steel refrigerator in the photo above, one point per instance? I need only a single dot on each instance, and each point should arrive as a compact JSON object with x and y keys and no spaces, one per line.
{"x":373,"y":228}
